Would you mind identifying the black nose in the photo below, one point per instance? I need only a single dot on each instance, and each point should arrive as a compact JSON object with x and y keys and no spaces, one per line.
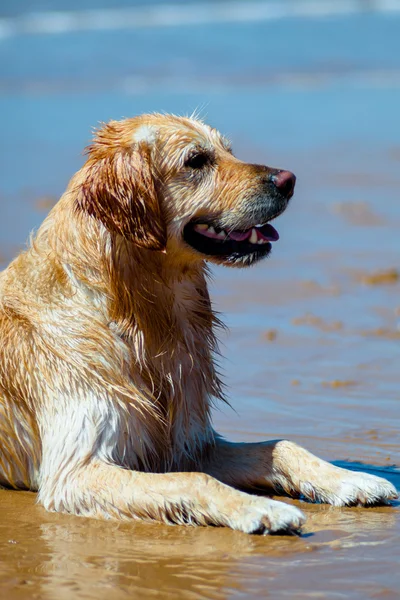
{"x":284,"y":181}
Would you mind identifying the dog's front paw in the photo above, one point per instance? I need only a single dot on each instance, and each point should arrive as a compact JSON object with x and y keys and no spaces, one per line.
{"x":364,"y":489}
{"x":349,"y":488}
{"x":264,"y":516}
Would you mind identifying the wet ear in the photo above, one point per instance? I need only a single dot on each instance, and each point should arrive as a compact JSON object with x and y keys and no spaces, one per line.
{"x":120,"y":191}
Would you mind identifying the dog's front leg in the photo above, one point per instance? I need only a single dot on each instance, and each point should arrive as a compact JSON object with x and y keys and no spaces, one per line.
{"x":283,"y":466}
{"x":106,"y":491}
{"x":80,"y":474}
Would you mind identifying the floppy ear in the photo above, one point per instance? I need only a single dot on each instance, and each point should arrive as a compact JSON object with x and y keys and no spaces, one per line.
{"x":120,"y":191}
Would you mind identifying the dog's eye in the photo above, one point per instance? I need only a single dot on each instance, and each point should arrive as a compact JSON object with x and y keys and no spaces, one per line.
{"x":197,"y":161}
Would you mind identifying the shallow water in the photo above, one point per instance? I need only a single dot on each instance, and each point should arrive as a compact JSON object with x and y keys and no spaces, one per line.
{"x":343,"y":553}
{"x":313,"y":351}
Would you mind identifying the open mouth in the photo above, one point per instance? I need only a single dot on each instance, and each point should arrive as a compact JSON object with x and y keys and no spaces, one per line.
{"x":241,"y":247}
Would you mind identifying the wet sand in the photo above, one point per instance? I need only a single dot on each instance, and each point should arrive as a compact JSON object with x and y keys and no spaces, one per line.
{"x":343,"y":553}
{"x":313,"y":349}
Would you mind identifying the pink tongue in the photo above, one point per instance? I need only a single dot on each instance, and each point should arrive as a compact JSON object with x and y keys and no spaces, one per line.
{"x":267,"y":232}
{"x":239,"y":236}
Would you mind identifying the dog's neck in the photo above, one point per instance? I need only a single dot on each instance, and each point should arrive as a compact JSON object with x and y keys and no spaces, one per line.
{"x":151,"y":291}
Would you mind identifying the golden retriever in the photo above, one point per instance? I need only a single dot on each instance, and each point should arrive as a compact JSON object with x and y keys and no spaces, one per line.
{"x":108,"y":335}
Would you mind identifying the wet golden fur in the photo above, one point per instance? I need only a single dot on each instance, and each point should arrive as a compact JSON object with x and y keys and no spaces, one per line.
{"x":107,"y":373}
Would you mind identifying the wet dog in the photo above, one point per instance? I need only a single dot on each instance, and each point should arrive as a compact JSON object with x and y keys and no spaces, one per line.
{"x":108,"y":335}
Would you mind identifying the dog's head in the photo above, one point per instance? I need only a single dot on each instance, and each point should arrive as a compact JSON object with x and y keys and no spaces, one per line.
{"x":168,"y":182}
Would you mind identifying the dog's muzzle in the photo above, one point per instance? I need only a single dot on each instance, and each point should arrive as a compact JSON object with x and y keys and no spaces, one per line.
{"x":241,"y":241}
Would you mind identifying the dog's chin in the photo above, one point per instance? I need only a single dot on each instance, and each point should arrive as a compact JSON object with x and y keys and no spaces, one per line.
{"x":234,"y":248}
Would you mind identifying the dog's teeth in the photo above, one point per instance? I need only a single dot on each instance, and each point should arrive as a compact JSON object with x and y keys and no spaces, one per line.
{"x":221,"y":235}
{"x":254,"y":237}
{"x":201,"y":227}
{"x":211,"y":229}
{"x":261,"y":241}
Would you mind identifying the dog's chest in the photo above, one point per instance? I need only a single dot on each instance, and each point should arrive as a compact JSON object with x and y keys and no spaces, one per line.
{"x":182,"y":400}
{"x":178,"y":374}
{"x":187,"y":370}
